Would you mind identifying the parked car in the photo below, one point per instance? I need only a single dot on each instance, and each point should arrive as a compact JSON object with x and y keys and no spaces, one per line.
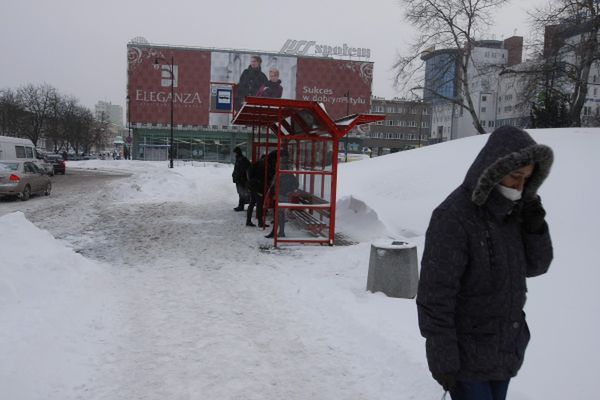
{"x":57,"y":163}
{"x":42,"y":163}
{"x":22,"y":179}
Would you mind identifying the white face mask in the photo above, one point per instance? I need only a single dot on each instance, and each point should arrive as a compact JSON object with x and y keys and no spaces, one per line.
{"x":509,"y":193}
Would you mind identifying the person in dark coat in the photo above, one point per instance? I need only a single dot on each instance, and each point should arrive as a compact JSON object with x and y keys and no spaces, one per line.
{"x":482,"y":242}
{"x":257,"y":185}
{"x":272,"y":88}
{"x":240,"y":179}
{"x":288,"y":183}
{"x":251,"y":80}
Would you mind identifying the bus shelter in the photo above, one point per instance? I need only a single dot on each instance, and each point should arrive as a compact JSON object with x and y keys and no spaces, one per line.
{"x":306,"y":141}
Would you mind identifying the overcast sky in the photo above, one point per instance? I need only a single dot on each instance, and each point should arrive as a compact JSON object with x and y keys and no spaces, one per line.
{"x":79,"y":46}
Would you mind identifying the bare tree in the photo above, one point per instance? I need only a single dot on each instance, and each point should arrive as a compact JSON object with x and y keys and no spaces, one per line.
{"x":100,"y":133}
{"x":452,"y":24}
{"x":12,"y":114}
{"x":570,"y":49}
{"x":38,"y":102}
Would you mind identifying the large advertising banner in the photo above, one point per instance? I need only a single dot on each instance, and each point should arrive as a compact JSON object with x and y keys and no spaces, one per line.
{"x":253,"y":74}
{"x":149,"y":85}
{"x":344,"y":87}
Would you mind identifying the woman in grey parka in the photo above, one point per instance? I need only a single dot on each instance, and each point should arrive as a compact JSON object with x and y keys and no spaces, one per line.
{"x":481,"y":244}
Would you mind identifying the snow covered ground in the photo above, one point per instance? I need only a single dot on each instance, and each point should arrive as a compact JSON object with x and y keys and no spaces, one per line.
{"x":151,"y":287}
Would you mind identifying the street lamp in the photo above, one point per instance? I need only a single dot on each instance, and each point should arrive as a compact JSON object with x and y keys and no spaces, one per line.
{"x":129,"y":140}
{"x":172,"y":73}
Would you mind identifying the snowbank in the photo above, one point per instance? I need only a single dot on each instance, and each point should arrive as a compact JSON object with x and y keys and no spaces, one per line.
{"x":53,"y":306}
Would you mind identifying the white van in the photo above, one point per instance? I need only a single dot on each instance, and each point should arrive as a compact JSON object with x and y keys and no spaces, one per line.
{"x":12,"y":148}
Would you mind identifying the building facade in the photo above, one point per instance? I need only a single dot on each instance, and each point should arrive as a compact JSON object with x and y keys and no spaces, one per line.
{"x":443,"y":83}
{"x":112,"y":113}
{"x":441,"y":77}
{"x":195,"y":92}
{"x":406,"y":126}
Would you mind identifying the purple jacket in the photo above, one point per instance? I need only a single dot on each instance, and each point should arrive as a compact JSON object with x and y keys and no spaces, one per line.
{"x":271,"y":89}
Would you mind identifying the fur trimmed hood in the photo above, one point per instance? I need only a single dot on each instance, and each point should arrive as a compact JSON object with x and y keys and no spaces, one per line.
{"x":507,"y":149}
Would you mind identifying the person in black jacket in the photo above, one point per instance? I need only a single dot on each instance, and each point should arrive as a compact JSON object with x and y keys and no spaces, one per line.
{"x":240,"y":179}
{"x":251,"y":80}
{"x":482,"y":242}
{"x":257,"y":185}
{"x":288,"y":183}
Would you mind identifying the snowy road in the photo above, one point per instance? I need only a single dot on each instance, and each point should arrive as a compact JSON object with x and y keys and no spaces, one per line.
{"x":199,"y":312}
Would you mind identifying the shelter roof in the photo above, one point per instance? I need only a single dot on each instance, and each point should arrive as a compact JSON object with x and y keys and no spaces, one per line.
{"x":297,"y":117}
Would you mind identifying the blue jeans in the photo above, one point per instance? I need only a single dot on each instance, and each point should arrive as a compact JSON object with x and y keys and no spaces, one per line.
{"x":479,"y":390}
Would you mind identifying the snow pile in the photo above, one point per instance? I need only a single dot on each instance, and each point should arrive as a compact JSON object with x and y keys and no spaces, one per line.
{"x":155,"y":182}
{"x":52,"y":304}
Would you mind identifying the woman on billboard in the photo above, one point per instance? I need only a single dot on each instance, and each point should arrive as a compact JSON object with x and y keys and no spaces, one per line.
{"x":272,"y":88}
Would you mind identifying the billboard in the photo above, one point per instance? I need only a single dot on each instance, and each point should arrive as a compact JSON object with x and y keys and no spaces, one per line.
{"x":193,"y":76}
{"x":150,"y":82}
{"x":344,"y":87}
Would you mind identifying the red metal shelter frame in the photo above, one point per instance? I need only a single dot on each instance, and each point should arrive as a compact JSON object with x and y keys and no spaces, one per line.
{"x":309,"y":138}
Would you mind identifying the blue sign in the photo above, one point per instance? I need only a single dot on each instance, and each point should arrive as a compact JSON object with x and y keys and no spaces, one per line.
{"x":224,"y":97}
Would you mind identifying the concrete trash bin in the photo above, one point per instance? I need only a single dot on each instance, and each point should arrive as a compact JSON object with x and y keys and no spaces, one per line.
{"x":393,"y":269}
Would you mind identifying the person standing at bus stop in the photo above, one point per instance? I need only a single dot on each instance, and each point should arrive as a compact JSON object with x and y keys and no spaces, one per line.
{"x":482,"y":242}
{"x":240,"y":179}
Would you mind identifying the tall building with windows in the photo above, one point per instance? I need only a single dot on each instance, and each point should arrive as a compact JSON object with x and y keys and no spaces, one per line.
{"x":441,"y":72}
{"x":106,"y":111}
{"x":443,"y":83}
{"x":406,"y":126}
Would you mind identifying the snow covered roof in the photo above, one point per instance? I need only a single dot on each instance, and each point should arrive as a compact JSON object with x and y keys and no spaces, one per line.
{"x":297,"y":117}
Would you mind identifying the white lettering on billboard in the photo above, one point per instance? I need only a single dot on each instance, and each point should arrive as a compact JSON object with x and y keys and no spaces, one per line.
{"x":302,"y":47}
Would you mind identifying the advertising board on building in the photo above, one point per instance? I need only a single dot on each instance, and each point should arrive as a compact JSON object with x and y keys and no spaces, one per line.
{"x":206,"y":83}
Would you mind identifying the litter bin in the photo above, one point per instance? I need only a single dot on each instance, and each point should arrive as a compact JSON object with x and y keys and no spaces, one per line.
{"x":393,"y":269}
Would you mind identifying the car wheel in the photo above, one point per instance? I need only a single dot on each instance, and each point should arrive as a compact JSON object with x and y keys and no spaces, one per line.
{"x":26,"y":193}
{"x":48,"y":189}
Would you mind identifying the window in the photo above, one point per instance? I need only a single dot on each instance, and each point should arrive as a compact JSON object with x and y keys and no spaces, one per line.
{"x":491,"y":124}
{"x":595,"y":91}
{"x":508,"y":109}
{"x":29,"y":152}
{"x":20,"y":151}
{"x":483,"y":109}
{"x":483,"y":98}
{"x":30,"y":168}
{"x":587,"y":111}
{"x":390,"y":122}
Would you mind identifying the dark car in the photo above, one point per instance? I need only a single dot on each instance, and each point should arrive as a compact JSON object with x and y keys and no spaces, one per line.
{"x":57,"y":162}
